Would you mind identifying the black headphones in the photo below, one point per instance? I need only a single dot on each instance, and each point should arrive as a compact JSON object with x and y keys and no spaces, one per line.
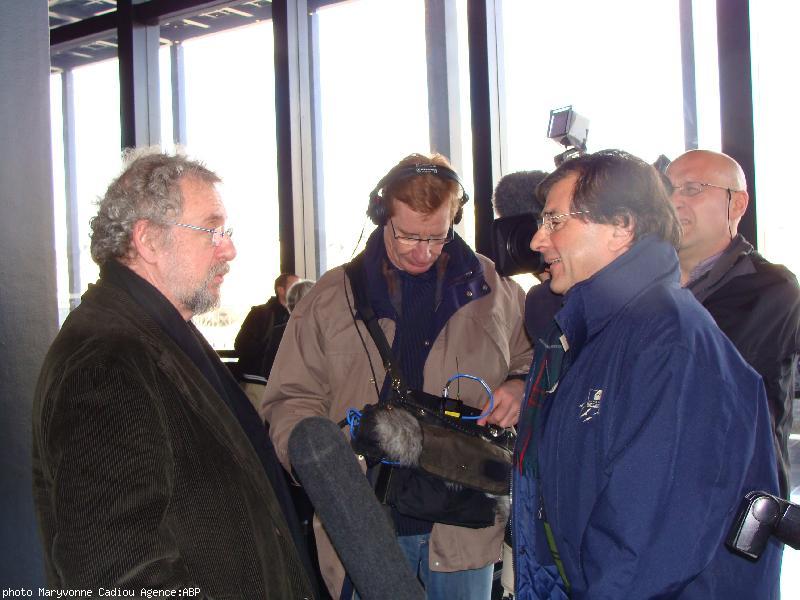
{"x":377,"y":210}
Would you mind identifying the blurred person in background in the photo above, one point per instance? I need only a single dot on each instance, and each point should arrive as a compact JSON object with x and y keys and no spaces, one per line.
{"x":260,"y":336}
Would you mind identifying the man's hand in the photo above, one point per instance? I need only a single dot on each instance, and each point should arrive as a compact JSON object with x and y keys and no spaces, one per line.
{"x":507,"y":400}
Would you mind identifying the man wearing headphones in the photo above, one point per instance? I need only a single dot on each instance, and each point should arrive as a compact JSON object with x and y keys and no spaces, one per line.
{"x":444,"y":310}
{"x":755,"y":303}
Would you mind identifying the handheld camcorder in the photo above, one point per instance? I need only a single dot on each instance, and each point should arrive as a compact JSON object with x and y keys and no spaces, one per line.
{"x":762,"y":515}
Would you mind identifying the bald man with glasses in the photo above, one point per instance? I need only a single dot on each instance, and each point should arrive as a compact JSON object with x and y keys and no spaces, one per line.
{"x":755,"y":303}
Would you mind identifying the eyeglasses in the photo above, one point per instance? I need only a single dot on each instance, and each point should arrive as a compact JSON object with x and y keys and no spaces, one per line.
{"x":690,"y":189}
{"x":217,"y":235}
{"x":555,"y":222}
{"x":413,"y":240}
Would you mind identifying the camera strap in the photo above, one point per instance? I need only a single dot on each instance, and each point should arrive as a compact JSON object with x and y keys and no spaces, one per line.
{"x":355,"y":272}
{"x":381,"y":474}
{"x":446,"y":411}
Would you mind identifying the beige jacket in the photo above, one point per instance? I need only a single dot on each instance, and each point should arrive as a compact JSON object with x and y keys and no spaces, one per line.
{"x":322,"y":369}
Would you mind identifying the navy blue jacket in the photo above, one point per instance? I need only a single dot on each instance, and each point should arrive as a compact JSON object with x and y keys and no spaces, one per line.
{"x":653,"y":435}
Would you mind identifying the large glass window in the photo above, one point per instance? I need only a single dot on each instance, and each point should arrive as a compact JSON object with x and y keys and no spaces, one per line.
{"x":373,"y":109}
{"x":168,"y":141}
{"x":776,"y":90}
{"x":97,"y":147}
{"x":706,"y":75}
{"x":229,"y":102}
{"x":84,"y":165}
{"x":626,"y":79}
{"x":59,"y":195}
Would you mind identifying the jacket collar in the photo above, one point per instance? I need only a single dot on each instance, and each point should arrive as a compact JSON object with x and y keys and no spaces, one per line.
{"x":117,"y":312}
{"x":591,"y":304}
{"x":725,"y":268}
{"x":115,"y":309}
{"x":460,"y":278}
{"x":182,"y":332}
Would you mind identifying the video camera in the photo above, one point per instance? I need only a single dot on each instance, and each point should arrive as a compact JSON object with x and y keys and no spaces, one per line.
{"x":511,"y":245}
{"x":761,"y":516}
{"x":512,"y":234}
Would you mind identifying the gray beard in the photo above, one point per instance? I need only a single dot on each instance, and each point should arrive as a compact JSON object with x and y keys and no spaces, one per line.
{"x":202,"y":299}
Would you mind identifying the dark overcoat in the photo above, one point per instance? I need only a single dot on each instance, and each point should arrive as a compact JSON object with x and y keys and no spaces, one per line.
{"x":143,"y":478}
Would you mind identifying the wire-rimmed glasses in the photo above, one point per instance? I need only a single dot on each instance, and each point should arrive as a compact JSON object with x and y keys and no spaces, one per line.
{"x":554,"y":222}
{"x":413,"y":240}
{"x":690,"y":189}
{"x":218,"y":234}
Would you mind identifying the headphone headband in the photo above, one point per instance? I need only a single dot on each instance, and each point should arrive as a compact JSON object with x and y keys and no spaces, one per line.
{"x":377,"y":210}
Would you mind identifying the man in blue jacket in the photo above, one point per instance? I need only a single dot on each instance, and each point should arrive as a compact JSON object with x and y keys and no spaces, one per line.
{"x":642,"y":427}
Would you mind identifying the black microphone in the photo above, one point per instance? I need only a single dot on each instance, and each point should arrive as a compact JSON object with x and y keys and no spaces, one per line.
{"x":358,"y":527}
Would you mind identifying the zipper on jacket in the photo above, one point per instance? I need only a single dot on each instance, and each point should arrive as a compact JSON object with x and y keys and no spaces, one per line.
{"x":511,"y":528}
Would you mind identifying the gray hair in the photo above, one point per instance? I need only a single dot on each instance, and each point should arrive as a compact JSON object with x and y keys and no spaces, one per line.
{"x":298,"y":289}
{"x":146,"y":189}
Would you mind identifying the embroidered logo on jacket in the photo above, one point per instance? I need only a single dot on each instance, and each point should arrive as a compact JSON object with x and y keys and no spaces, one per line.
{"x":591,"y":408}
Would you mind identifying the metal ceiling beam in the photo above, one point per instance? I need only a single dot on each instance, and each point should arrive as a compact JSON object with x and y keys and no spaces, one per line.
{"x":87,"y":30}
{"x":70,"y":44}
{"x":165,"y":10}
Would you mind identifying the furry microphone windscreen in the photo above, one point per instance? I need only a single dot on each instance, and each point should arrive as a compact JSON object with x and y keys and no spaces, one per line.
{"x":395,"y":431}
{"x":515,"y":193}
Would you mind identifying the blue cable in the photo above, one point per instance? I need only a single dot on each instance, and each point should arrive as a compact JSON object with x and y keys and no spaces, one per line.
{"x":485,"y":386}
{"x":353,"y":419}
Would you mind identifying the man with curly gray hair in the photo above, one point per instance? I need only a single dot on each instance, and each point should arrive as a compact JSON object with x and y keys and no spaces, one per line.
{"x":151,"y":468}
{"x":150,"y":194}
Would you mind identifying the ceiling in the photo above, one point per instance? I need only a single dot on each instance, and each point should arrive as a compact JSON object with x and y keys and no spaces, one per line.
{"x":66,"y":17}
{"x":63,"y":12}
